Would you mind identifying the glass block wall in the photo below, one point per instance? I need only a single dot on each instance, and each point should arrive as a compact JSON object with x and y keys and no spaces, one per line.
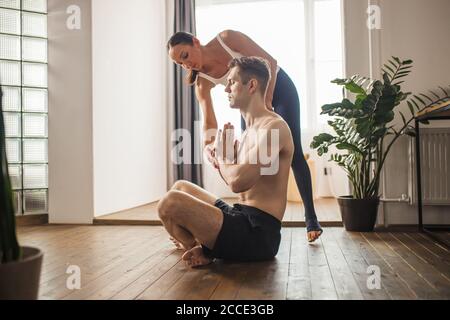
{"x":23,"y":76}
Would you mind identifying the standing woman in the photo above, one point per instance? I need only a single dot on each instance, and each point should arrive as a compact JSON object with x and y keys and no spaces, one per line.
{"x":208,"y":66}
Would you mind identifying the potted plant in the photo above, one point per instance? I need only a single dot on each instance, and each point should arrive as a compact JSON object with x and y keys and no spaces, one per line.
{"x":20,"y":267}
{"x":361,"y":127}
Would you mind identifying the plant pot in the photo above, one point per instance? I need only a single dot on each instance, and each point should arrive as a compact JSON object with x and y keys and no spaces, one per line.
{"x":358,"y":214}
{"x":19,"y":280}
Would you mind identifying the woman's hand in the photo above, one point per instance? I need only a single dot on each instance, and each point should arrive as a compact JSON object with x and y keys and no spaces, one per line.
{"x":210,"y":152}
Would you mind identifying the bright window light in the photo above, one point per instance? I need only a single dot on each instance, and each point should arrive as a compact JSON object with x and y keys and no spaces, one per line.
{"x":304,"y":36}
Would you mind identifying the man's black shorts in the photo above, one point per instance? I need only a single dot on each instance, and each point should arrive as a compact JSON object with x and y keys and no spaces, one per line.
{"x":247,"y":234}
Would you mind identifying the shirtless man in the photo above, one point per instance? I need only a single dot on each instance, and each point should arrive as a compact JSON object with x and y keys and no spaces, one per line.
{"x":205,"y":226}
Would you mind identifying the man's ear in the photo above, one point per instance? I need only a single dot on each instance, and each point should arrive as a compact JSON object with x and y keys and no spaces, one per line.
{"x":253,"y":85}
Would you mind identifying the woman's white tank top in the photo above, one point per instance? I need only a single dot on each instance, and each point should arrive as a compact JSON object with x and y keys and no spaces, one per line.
{"x":223,"y":79}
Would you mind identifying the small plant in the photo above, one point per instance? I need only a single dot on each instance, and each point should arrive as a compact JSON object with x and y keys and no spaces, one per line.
{"x":362,"y":125}
{"x":9,"y":246}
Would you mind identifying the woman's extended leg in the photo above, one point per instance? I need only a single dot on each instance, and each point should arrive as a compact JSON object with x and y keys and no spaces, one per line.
{"x":286,"y":103}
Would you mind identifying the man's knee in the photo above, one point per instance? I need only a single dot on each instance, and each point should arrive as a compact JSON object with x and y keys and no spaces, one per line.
{"x":170,"y":204}
{"x":181,"y":185}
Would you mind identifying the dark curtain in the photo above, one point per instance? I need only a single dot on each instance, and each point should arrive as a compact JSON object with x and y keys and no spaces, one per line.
{"x":186,"y":106}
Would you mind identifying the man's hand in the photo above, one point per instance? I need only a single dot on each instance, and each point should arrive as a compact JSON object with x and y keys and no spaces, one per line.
{"x":225,"y":146}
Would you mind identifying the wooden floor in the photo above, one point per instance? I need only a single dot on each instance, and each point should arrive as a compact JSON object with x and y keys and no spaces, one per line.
{"x":139,"y":262}
{"x":327,"y":211}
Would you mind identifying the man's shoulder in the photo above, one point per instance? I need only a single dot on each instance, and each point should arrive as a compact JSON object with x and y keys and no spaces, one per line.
{"x":274,"y":121}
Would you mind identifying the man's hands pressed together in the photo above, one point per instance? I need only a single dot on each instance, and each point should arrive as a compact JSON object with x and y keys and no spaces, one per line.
{"x":226,"y":146}
{"x":224,"y":149}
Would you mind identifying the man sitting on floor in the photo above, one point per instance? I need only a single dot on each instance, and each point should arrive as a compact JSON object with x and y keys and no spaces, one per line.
{"x":257,"y":169}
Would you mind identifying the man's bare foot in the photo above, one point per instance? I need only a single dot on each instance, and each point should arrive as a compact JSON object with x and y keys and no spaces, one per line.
{"x":313,"y":235}
{"x":195,"y":257}
{"x":177,"y":244}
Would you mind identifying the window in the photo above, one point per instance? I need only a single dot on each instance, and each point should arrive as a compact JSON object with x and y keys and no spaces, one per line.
{"x":305,"y":36}
{"x":23,"y":76}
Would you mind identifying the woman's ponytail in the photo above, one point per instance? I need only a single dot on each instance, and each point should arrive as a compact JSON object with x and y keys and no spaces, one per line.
{"x":191,"y":77}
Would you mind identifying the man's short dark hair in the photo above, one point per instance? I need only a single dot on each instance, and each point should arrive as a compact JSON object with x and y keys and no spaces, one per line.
{"x":253,"y":68}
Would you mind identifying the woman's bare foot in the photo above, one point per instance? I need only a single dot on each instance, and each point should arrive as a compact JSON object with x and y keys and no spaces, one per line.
{"x":195,"y":257}
{"x":313,"y":235}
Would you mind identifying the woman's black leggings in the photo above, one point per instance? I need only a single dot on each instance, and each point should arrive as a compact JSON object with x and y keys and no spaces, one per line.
{"x":286,"y":103}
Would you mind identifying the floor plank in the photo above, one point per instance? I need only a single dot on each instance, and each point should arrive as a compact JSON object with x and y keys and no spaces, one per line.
{"x":299,"y":280}
{"x":358,"y":265}
{"x":232,"y":276}
{"x":344,"y":282}
{"x":423,"y":253}
{"x":428,"y":273}
{"x":394,"y":285}
{"x":432,"y":246}
{"x":140,"y":262}
{"x":322,"y":285}
{"x":100,"y":268}
{"x":268,"y":280}
{"x":139,"y":286}
{"x":421,"y":287}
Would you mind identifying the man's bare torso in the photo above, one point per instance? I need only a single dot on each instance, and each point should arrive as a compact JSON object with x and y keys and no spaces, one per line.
{"x":270,"y":191}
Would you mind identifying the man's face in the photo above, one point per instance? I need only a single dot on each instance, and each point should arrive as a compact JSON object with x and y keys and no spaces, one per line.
{"x":238,"y":94}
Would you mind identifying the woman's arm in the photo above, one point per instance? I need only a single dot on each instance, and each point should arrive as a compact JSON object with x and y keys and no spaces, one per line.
{"x":203,"y":92}
{"x":239,"y":42}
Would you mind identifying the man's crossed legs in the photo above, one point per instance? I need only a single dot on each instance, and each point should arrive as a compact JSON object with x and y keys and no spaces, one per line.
{"x":190,"y":217}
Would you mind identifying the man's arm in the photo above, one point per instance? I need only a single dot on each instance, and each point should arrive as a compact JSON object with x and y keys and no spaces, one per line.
{"x":241,"y":176}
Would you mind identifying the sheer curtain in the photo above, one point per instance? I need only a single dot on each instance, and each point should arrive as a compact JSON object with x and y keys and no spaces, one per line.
{"x":186,"y":110}
{"x":305,"y":36}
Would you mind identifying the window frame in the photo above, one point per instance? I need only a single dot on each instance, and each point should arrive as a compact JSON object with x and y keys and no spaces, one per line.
{"x":22,"y":194}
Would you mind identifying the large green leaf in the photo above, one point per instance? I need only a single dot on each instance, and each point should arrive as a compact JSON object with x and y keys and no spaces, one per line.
{"x":384,"y":117}
{"x":411,"y":108}
{"x":354,"y":88}
{"x":328,"y":107}
{"x":321,"y":139}
{"x":348,"y":146}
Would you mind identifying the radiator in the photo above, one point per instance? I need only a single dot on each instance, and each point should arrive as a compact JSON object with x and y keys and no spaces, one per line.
{"x":435,"y":167}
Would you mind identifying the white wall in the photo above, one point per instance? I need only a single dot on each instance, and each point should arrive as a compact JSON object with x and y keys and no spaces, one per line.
{"x":410,"y":29}
{"x":129,"y":103}
{"x":418,"y":30}
{"x":70,"y":115}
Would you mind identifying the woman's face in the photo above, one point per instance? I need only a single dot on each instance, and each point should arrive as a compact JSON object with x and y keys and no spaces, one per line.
{"x":186,"y":55}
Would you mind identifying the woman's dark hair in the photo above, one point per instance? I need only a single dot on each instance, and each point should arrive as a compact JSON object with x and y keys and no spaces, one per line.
{"x":183,"y":37}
